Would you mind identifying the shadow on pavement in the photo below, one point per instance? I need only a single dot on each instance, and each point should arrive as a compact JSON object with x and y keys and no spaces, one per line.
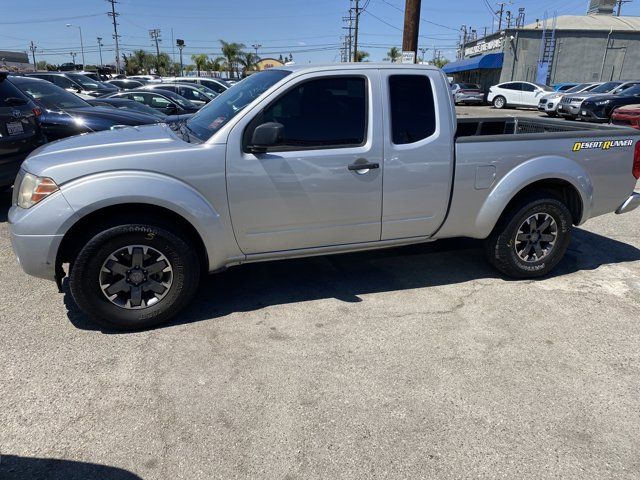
{"x":345,"y":277}
{"x":5,"y":204}
{"x":21,"y":468}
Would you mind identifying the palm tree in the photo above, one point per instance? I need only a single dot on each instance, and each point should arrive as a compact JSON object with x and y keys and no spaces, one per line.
{"x":249,"y":61}
{"x":143,"y":59}
{"x":231,"y":52}
{"x":361,"y":56}
{"x":201,"y":60}
{"x":393,"y":55}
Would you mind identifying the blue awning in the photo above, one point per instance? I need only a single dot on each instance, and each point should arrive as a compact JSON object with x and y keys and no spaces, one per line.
{"x":481,"y":62}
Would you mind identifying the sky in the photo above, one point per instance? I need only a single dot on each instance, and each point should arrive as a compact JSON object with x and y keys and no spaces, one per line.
{"x":310,"y":30}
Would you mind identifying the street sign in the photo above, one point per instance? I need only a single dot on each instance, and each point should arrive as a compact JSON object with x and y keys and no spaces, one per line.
{"x":408,"y":57}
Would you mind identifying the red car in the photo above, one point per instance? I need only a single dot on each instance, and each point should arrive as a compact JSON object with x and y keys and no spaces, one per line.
{"x":629,"y":115}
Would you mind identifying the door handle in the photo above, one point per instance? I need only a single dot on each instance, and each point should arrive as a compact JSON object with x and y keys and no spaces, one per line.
{"x":363,"y":166}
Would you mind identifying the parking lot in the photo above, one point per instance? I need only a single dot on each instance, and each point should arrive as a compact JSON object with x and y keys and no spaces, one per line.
{"x":415,"y":362}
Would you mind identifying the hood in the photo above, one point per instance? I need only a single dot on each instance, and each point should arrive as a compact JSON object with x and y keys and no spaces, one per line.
{"x":85,"y":154}
{"x":635,"y":108}
{"x":111,"y":116}
{"x":602,"y":96}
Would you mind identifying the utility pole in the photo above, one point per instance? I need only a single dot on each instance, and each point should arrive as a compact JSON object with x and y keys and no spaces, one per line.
{"x":73,"y":58}
{"x":463,"y":43}
{"x":349,"y":37}
{"x":180,"y":44}
{"x":500,"y":12}
{"x":100,"y":49}
{"x":33,"y":47}
{"x":155,"y":36}
{"x":620,"y":2}
{"x":411,"y":27}
{"x":355,"y":31}
{"x":113,"y":14}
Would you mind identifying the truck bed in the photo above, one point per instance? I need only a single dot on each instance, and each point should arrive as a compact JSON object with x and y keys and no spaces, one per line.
{"x":471,"y":128}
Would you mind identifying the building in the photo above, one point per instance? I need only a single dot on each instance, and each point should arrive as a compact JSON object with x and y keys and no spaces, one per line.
{"x":571,"y":48}
{"x":15,"y":61}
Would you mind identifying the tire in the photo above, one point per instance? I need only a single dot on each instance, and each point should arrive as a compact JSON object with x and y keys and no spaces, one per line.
{"x":505,"y":252}
{"x":148,"y":304}
{"x":552,"y":114}
{"x":499,"y":102}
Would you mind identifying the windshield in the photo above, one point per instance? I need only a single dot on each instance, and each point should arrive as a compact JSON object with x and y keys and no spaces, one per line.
{"x":577,"y":88}
{"x":471,"y":86}
{"x":606,"y":87}
{"x":634,"y":90}
{"x":134,"y":106}
{"x":180,"y":100}
{"x":48,"y":95}
{"x":86,"y":82}
{"x":227,"y":105}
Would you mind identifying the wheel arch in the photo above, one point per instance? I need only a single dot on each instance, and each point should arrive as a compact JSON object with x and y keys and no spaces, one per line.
{"x":561,"y":177}
{"x":99,"y":219}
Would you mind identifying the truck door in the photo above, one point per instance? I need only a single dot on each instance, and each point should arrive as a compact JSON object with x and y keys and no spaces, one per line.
{"x":308,"y":190}
{"x":418,"y":152}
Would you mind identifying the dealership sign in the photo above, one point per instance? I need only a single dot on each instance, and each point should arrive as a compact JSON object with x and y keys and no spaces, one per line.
{"x":482,"y":47}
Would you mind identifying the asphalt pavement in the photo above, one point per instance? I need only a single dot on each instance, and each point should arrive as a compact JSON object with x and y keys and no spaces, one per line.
{"x":416,"y":362}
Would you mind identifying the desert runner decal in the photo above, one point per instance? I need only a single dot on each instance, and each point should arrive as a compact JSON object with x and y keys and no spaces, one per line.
{"x":601,"y":144}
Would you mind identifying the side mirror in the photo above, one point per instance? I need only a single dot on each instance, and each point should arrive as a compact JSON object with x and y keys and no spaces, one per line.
{"x":172,"y":109}
{"x":266,"y":135}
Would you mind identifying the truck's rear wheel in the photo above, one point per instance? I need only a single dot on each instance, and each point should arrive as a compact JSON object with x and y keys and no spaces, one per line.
{"x":499,"y":102}
{"x":530,"y":238}
{"x":134,"y":276}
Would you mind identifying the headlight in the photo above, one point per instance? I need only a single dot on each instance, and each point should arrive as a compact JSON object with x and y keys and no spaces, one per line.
{"x":34,"y":189}
{"x":603,"y":102}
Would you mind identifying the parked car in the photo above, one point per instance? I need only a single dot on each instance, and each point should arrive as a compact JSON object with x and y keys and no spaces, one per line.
{"x":146,"y":78}
{"x":131,"y":105}
{"x":20,"y":132}
{"x":198,"y":94}
{"x":549,"y":103}
{"x":126,"y":83}
{"x":600,"y":108}
{"x":517,"y":94}
{"x":216,"y":84}
{"x":290,"y":163}
{"x":466,"y":93}
{"x":628,"y":116}
{"x":64,"y":114}
{"x":563,"y":87}
{"x":75,"y":83}
{"x":164,"y":101}
{"x":569,"y":106}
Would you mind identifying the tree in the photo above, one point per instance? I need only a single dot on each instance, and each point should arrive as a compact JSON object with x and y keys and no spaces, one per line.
{"x":393,"y":55}
{"x":42,"y":65}
{"x":231,"y":52}
{"x":201,"y":60}
{"x":361,"y":56}
{"x":440,"y":62}
{"x":163,"y":63}
{"x":249,"y":61}
{"x":217,"y":65}
{"x":189,"y":68}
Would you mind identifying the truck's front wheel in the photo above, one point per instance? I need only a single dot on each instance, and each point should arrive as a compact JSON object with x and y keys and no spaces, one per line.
{"x":530,"y":238}
{"x":134,"y":276}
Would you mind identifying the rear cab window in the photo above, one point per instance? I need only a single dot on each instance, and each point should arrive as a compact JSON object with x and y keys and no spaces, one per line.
{"x":412,"y":105}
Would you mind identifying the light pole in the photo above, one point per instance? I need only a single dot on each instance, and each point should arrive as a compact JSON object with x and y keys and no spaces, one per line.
{"x":180,"y":44}
{"x":256,"y":46}
{"x":423,"y":50}
{"x":100,"y":49}
{"x":81,"y":44}
{"x":73,"y":58}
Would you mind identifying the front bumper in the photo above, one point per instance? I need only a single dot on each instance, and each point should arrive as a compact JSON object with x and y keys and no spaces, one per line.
{"x":630,"y":204}
{"x":593,"y":114}
{"x":37,"y":232}
{"x":569,"y":109}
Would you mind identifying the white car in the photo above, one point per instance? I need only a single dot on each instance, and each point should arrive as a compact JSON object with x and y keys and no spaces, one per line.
{"x":517,"y":94}
{"x":549,"y":102}
{"x":218,"y":85}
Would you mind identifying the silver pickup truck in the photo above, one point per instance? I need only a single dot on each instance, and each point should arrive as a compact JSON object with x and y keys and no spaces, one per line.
{"x":300,"y":161}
